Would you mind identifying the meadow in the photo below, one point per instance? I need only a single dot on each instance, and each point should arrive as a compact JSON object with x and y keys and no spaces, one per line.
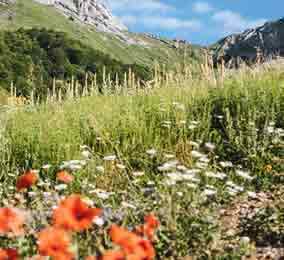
{"x":200,"y":155}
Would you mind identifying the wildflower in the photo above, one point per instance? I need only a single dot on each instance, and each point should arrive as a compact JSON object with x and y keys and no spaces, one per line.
{"x":74,"y":167}
{"x":104,"y":195}
{"x":175,"y":176}
{"x":138,"y":174}
{"x":218,"y":175}
{"x":27,"y":180}
{"x":201,"y":165}
{"x":11,"y":221}
{"x":100,"y":169}
{"x":204,"y":159}
{"x":86,"y":154}
{"x":244,"y":174}
{"x":270,"y":129}
{"x":55,"y":243}
{"x":191,"y":186}
{"x":64,"y":176}
{"x":74,"y":214}
{"x":149,"y":227}
{"x":9,"y":254}
{"x":61,"y":187}
{"x":209,"y":192}
{"x":194,"y":144}
{"x":168,"y":166}
{"x":169,"y":156}
{"x":268,"y":168}
{"x":193,"y":171}
{"x":120,"y":166}
{"x":131,"y":243}
{"x":46,"y":166}
{"x":181,"y":168}
{"x":192,"y":127}
{"x":226,"y":164}
{"x":196,"y":154}
{"x":252,"y":195}
{"x":210,"y":147}
{"x":151,"y":152}
{"x":170,"y":182}
{"x":128,"y":205}
{"x":113,"y":255}
{"x":99,"y":221}
{"x":109,"y":158}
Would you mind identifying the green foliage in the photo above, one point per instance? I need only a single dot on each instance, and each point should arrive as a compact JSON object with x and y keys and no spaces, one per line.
{"x":31,"y":58}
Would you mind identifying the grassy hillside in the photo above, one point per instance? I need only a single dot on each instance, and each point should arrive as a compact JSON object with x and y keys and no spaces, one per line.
{"x":194,"y":156}
{"x":32,"y":58}
{"x":28,"y":14}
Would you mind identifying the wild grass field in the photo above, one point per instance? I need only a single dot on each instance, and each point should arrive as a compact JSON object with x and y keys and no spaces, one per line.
{"x":201,"y":158}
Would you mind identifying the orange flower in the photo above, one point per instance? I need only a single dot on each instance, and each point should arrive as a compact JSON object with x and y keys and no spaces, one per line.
{"x":11,"y":220}
{"x":55,"y":243}
{"x":149,"y":228}
{"x":113,"y":255}
{"x":26,"y":180}
{"x":132,"y":244}
{"x":9,"y":254}
{"x":74,"y":214}
{"x":64,"y":176}
{"x":152,"y":221}
{"x":91,"y":258}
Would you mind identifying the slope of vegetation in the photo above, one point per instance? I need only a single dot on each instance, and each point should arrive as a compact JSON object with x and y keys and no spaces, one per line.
{"x":32,"y":58}
{"x":29,"y":14}
{"x":186,"y":152}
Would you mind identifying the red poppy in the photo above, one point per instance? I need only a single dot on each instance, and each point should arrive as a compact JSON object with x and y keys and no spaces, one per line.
{"x":11,"y":221}
{"x":27,"y":180}
{"x":64,"y":176}
{"x":132,"y":244}
{"x":113,"y":255}
{"x":91,"y":258}
{"x":74,"y":214}
{"x":55,"y":243}
{"x":9,"y":254}
{"x":149,"y":228}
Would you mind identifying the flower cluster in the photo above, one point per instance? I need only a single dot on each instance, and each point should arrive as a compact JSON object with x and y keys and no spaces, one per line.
{"x":74,"y":215}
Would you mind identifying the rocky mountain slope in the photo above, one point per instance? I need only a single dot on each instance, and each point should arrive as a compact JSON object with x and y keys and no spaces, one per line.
{"x":92,"y":12}
{"x":91,"y":22}
{"x":261,"y":43}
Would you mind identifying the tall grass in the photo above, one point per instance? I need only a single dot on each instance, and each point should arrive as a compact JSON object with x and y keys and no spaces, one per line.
{"x":241,"y":113}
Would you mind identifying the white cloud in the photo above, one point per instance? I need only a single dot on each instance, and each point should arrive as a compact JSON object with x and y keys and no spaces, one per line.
{"x":164,"y":23}
{"x":143,"y":5}
{"x":202,"y":7}
{"x":233,"y":22}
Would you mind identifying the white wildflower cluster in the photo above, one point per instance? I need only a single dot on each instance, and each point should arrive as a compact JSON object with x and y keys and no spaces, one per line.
{"x":73,"y":165}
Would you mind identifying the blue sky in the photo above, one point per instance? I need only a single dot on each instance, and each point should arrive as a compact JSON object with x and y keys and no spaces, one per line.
{"x":198,"y":21}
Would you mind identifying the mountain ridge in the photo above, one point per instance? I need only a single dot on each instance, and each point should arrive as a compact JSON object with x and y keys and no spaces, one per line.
{"x":257,"y":44}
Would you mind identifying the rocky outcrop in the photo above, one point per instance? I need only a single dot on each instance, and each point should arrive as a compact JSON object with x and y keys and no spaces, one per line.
{"x":6,"y":2}
{"x":91,"y":12}
{"x":262,"y":43}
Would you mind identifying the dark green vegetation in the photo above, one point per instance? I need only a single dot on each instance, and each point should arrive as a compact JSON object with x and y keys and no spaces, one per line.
{"x":32,"y":58}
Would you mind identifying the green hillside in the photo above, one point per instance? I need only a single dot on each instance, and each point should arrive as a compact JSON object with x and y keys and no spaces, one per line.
{"x":32,"y":58}
{"x":28,"y":14}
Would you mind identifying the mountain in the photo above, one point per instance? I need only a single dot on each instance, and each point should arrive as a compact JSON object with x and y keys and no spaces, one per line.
{"x":92,"y":23}
{"x":91,"y":12}
{"x":261,"y":43}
